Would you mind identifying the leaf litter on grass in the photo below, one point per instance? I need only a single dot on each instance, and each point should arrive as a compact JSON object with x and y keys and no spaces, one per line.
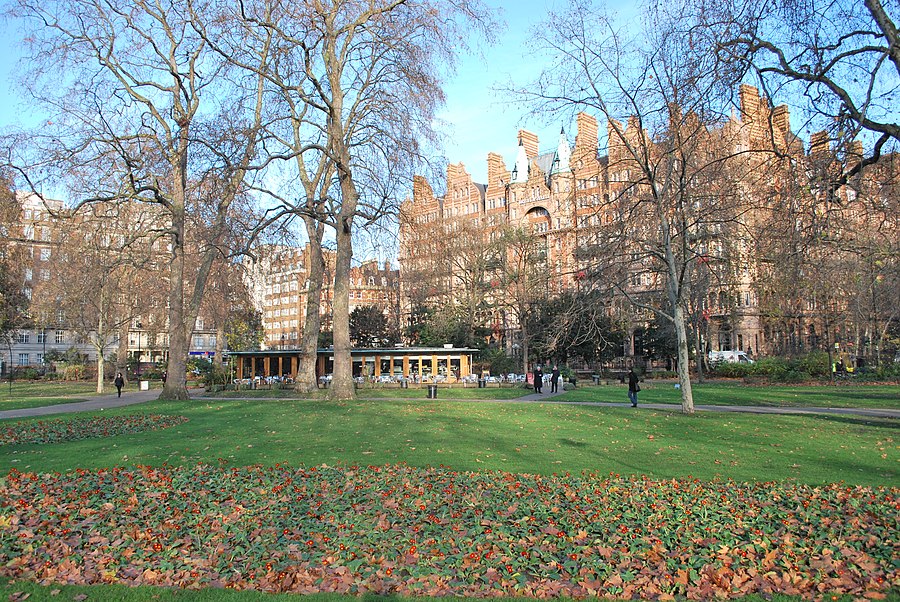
{"x":433,"y":531}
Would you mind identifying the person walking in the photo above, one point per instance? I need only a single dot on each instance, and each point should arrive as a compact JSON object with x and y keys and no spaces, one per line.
{"x":633,"y":387}
{"x":538,"y":379}
{"x":119,"y":382}
{"x":554,"y":380}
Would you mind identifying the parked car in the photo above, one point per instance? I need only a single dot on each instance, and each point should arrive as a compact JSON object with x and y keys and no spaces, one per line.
{"x":731,"y":357}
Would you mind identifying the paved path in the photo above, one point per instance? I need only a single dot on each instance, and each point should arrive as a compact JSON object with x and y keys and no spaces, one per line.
{"x":91,"y":404}
{"x":100,"y":402}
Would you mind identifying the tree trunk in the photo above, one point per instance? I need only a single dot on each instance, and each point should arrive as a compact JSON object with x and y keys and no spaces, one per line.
{"x":698,"y":353}
{"x":342,"y":383}
{"x":175,"y":386}
{"x":220,"y":345}
{"x":684,"y":371}
{"x":99,"y":346}
{"x":306,"y":372}
{"x":122,"y":350}
{"x":525,"y":353}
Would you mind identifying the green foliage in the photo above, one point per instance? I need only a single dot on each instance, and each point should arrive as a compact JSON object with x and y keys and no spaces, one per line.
{"x":73,"y":372}
{"x":383,"y":530}
{"x":446,"y":325}
{"x":218,"y":375}
{"x":733,"y":370}
{"x":369,"y":327}
{"x":29,"y":374}
{"x":244,"y":331}
{"x":779,"y":369}
{"x":498,"y":362}
{"x":814,"y":363}
{"x":659,"y":339}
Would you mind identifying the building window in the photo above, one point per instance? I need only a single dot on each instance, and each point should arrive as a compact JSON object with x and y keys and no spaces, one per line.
{"x":40,"y":359}
{"x":24,"y":359}
{"x":60,"y":337}
{"x":42,"y":336}
{"x":23,"y":337}
{"x":45,"y":254}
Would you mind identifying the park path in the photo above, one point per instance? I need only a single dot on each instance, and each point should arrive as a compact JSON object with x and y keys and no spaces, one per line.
{"x":90,"y":404}
{"x":100,"y":402}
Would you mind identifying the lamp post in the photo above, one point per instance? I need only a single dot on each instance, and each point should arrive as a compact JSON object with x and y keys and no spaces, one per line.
{"x":138,"y":370}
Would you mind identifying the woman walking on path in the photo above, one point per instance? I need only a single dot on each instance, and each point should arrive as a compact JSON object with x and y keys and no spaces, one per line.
{"x":119,"y":382}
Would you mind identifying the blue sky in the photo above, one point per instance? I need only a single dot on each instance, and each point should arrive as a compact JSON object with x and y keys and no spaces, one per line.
{"x":480,"y":120}
{"x":477,"y":119}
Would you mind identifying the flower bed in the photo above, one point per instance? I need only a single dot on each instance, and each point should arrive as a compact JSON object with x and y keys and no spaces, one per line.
{"x":57,"y":431}
{"x":403,"y":530}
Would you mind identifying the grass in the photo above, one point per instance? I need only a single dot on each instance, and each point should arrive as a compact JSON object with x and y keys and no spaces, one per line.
{"x":543,"y":438}
{"x":840,"y":396}
{"x":31,"y":394}
{"x":119,"y":593}
{"x":532,"y":438}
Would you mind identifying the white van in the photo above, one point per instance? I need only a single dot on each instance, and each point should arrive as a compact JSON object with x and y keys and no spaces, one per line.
{"x":732,"y":357}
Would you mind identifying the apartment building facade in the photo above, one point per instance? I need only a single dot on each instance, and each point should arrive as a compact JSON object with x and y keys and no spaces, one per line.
{"x":568,"y":198}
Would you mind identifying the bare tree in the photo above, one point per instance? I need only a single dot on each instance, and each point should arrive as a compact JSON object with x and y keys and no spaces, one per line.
{"x":841,"y":57}
{"x":523,"y":284}
{"x":667,"y":168}
{"x":93,"y":272}
{"x":137,"y":90}
{"x":371,"y":78}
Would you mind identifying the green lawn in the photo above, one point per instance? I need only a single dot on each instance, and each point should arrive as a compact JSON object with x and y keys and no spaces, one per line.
{"x":31,"y":394}
{"x":535,"y":438}
{"x":839,"y":396}
{"x":476,"y":434}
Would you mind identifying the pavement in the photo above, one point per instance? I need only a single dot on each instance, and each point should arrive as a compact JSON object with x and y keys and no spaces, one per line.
{"x":90,"y":404}
{"x":101,"y":402}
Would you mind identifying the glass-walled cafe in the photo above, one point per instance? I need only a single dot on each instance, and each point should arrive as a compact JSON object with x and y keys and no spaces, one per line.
{"x":419,"y":364}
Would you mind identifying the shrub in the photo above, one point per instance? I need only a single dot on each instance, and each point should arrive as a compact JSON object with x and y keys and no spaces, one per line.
{"x":814,"y":363}
{"x":729,"y":370}
{"x":215,"y":376}
{"x":771,"y":366}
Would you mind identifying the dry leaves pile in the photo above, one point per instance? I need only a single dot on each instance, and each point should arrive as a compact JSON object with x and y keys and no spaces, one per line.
{"x":58,"y":431}
{"x":404,"y":530}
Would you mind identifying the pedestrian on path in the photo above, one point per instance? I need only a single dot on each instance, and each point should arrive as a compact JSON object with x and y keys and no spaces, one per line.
{"x":538,"y":379}
{"x":633,"y":387}
{"x":554,"y":380}
{"x":119,"y":382}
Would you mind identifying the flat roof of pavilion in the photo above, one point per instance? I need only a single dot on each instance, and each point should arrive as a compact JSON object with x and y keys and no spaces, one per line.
{"x":359,"y":351}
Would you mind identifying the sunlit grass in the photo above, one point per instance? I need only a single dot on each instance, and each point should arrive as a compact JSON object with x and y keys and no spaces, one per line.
{"x":841,"y":396}
{"x":514,"y":437}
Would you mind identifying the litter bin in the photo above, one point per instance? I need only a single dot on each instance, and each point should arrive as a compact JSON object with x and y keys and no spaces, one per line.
{"x":432,"y":391}
{"x":596,"y":378}
{"x":482,"y":383}
{"x":145,"y":385}
{"x":404,"y":384}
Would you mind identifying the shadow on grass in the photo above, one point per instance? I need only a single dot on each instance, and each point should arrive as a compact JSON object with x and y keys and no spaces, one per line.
{"x":867,"y":421}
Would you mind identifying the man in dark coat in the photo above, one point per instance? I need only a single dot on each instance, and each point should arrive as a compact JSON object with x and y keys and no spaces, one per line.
{"x":633,"y":387}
